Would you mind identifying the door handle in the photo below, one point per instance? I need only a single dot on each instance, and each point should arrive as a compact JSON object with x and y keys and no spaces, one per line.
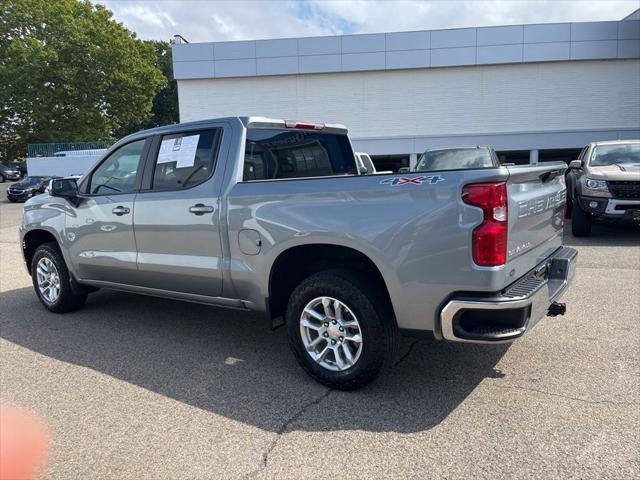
{"x":200,"y":209}
{"x":120,"y":211}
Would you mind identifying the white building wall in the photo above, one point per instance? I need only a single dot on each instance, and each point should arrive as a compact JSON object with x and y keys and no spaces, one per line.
{"x":496,"y":99}
{"x":61,"y":166}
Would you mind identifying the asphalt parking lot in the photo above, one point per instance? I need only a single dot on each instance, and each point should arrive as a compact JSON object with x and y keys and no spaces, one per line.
{"x":139,"y":387}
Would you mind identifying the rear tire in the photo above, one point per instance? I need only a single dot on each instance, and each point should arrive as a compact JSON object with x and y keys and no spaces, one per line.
{"x":351,"y":301}
{"x":49,"y":270}
{"x":580,"y":222}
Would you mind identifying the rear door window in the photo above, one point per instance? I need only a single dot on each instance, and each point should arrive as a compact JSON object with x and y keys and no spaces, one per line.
{"x":281,"y":154}
{"x":185,"y":159}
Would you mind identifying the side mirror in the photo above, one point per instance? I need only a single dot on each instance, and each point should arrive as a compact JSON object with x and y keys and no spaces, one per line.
{"x":404,"y":170}
{"x":575,"y":164}
{"x":65,"y":188}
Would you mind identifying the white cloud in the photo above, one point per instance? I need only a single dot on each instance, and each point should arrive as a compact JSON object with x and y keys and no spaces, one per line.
{"x":200,"y":20}
{"x":381,"y":16}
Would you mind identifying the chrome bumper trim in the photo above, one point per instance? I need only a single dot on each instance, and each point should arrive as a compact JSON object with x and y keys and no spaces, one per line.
{"x":539,"y":300}
{"x":614,"y":202}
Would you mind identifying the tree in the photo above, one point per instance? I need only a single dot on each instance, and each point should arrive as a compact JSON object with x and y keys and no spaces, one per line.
{"x":165,"y":103}
{"x":70,"y":72}
{"x":164,"y":110}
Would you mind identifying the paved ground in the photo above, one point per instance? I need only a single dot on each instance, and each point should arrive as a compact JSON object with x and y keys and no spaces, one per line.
{"x":136,"y":387}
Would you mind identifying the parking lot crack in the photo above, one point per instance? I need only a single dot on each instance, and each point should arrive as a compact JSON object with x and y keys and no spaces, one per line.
{"x":406,"y":355}
{"x":284,"y":428}
{"x":566,"y":397}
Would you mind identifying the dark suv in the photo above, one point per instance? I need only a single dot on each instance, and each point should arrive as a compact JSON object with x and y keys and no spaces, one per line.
{"x":26,"y":188}
{"x":9,"y":172}
{"x":604,"y":183}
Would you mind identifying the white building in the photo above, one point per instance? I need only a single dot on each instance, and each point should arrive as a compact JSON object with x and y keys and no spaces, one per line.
{"x":534,"y":92}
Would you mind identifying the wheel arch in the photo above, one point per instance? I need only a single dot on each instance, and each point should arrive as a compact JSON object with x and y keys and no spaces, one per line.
{"x":32,"y":240}
{"x":296,"y":263}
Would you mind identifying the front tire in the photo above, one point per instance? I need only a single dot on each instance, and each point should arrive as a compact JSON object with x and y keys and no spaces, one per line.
{"x":568,"y":209}
{"x":340,"y":332}
{"x":52,"y":281}
{"x":580,"y":221}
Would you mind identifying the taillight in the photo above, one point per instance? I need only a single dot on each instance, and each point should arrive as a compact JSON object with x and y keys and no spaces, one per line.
{"x":303,"y":125}
{"x":490,"y":237}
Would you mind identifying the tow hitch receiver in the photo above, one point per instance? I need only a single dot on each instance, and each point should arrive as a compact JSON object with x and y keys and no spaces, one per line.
{"x":557,"y":308}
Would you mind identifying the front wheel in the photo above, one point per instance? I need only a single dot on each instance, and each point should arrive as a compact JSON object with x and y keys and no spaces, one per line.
{"x":568,"y":210}
{"x":580,"y":221}
{"x":52,"y":281}
{"x":339,"y":331}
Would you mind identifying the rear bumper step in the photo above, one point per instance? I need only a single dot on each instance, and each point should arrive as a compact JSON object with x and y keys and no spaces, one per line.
{"x":507,"y":315}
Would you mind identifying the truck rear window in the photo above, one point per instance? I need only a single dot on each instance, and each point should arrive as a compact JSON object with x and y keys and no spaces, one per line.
{"x":455,"y":159}
{"x":273,"y":154}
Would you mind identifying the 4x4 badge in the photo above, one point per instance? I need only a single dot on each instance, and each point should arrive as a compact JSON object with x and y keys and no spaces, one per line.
{"x":430,"y":179}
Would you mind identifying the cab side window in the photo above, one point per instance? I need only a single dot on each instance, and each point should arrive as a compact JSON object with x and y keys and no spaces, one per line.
{"x":117,"y":174}
{"x":185,"y":159}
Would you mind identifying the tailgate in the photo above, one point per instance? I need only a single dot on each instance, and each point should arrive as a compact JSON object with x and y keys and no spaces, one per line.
{"x":537,"y":195}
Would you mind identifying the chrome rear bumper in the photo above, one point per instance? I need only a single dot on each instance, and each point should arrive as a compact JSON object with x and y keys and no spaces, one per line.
{"x":507,"y":315}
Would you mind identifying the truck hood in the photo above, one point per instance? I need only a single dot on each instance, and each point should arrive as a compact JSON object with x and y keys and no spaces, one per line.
{"x":629,"y":171}
{"x":38,"y":200}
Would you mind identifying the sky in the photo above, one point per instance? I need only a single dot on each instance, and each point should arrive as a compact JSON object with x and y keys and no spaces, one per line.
{"x":224,"y":20}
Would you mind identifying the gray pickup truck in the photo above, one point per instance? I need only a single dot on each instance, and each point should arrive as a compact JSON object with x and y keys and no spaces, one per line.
{"x":270,"y":215}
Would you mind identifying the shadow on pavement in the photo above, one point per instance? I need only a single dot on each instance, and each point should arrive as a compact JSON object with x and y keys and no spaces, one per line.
{"x":232,"y":364}
{"x":610,"y":234}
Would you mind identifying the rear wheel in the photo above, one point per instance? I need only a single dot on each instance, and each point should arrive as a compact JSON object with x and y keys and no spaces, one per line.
{"x":339,"y":331}
{"x":52,"y":281}
{"x":580,"y":222}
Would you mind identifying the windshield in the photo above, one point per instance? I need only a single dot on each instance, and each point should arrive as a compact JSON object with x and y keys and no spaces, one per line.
{"x":30,"y":181}
{"x":455,"y":159}
{"x":604,"y":155}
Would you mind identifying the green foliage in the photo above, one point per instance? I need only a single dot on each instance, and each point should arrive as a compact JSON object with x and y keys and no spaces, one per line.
{"x":165,"y":104}
{"x":69,"y":72}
